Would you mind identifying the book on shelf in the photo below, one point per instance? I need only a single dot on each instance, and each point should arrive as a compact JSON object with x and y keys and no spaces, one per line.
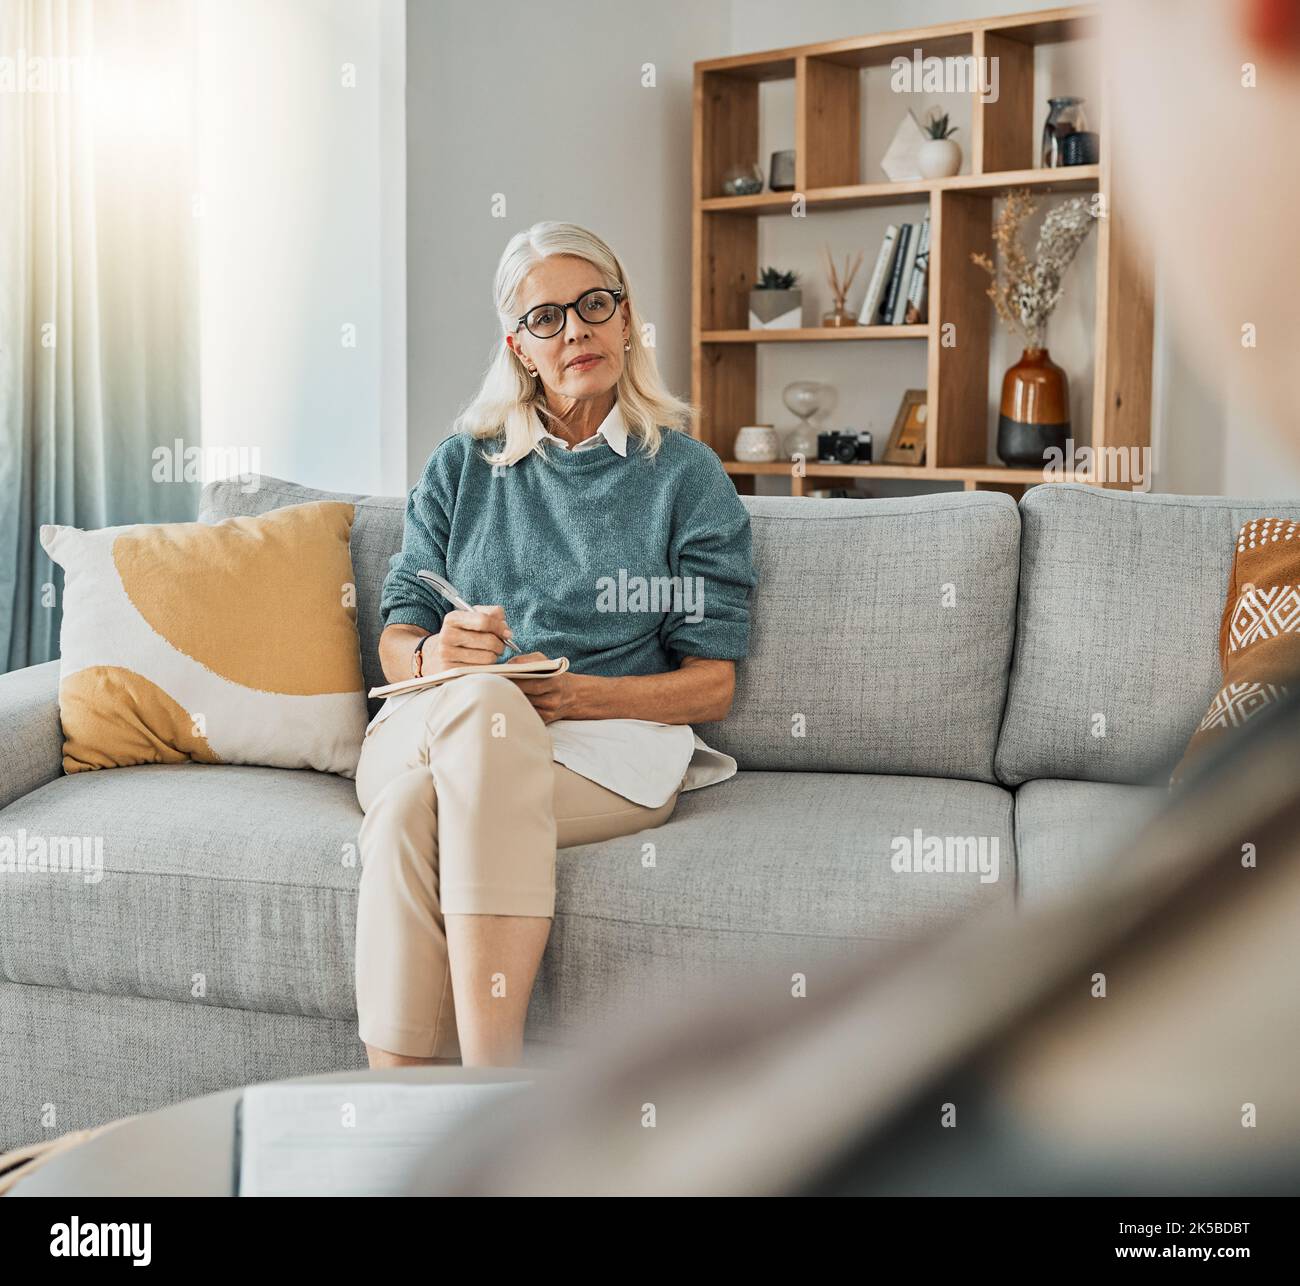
{"x":879,"y":279}
{"x":918,"y":289}
{"x":899,"y":312}
{"x":896,"y":276}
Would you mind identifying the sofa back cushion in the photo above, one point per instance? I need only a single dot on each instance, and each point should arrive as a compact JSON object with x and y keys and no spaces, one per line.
{"x":880,"y":631}
{"x":1117,"y":639}
{"x":880,"y":635}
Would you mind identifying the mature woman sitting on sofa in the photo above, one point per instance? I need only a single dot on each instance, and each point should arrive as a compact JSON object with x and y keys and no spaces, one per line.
{"x":568,"y":474}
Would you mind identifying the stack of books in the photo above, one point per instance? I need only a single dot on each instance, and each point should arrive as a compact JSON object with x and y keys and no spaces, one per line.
{"x":898,"y":293}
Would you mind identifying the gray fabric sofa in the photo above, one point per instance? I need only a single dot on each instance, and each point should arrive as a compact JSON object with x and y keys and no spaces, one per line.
{"x":955,"y":664}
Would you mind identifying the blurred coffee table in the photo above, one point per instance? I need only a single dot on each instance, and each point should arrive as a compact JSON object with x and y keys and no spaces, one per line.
{"x":187,"y":1150}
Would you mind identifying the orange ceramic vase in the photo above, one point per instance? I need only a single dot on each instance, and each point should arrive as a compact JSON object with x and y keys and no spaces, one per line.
{"x":1034,"y":415}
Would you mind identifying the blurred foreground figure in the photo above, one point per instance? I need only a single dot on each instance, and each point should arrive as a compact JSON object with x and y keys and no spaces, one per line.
{"x":982,"y":1061}
{"x":1052,"y":1090}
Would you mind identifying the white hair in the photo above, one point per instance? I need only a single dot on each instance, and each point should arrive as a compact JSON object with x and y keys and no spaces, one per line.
{"x":508,"y":396}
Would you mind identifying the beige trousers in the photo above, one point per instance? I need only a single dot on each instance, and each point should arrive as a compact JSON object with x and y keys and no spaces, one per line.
{"x":464,"y":811}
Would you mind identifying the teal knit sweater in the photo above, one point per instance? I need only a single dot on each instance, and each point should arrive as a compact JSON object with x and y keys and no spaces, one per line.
{"x":623,"y":564}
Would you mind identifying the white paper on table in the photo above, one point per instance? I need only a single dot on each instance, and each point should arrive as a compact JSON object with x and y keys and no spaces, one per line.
{"x":349,"y":1139}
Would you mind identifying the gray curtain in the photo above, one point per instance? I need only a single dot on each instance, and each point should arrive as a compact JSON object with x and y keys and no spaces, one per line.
{"x":98,"y":285}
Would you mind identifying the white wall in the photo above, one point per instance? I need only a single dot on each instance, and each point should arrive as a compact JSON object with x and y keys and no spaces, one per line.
{"x":303,"y":233}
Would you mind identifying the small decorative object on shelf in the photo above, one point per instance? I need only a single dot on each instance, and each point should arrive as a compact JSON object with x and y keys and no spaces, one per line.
{"x":901,"y":162}
{"x":775,"y":303}
{"x":782,"y":172}
{"x":939,"y":157}
{"x":805,"y":399}
{"x":757,"y":444}
{"x":1034,"y":413}
{"x":840,"y":315}
{"x":907,"y":441}
{"x":844,"y":446}
{"x":1080,"y":148}
{"x":743,"y":180}
{"x":1065,"y":117}
{"x":799,"y":441}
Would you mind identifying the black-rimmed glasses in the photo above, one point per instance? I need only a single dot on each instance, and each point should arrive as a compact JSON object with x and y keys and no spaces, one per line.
{"x":595,"y":306}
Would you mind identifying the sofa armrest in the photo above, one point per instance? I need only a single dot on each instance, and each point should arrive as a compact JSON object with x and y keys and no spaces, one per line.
{"x":31,"y":737}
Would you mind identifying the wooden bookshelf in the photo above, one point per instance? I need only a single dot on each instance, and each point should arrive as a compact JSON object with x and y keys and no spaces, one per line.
{"x":1003,"y":150}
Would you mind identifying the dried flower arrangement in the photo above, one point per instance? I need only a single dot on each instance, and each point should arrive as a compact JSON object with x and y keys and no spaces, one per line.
{"x":1025,"y":293}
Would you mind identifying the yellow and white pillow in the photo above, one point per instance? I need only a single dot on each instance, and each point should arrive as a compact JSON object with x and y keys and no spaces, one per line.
{"x":230,"y":643}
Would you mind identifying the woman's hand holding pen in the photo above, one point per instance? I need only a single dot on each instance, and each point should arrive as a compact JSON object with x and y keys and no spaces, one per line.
{"x":468,"y":637}
{"x":477,"y":636}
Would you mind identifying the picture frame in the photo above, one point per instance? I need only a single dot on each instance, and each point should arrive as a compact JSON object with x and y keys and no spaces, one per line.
{"x":907,"y":441}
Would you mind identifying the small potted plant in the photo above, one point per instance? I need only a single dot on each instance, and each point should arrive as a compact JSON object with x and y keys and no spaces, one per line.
{"x":939,"y":157}
{"x":775,"y":303}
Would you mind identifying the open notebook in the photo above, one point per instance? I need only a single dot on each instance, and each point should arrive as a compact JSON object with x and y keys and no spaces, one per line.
{"x":520,"y":670}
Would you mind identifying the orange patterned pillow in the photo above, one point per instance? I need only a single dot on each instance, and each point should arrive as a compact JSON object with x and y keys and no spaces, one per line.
{"x":230,"y":643}
{"x":1259,"y":639}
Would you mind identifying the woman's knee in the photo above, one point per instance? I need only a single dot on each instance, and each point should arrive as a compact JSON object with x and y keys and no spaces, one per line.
{"x":489,"y":691}
{"x":482,"y":716}
{"x":402,"y":820}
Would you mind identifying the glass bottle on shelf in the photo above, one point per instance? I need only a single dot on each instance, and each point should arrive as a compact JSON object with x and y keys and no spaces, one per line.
{"x":1065,"y":117}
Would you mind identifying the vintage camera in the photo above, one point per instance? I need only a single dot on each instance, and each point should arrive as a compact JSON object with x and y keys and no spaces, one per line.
{"x":850,"y":447}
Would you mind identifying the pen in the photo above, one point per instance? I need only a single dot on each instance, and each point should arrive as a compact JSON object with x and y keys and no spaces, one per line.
{"x":449,"y":592}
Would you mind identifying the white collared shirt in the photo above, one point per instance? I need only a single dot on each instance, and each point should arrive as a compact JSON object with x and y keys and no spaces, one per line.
{"x":640,"y":759}
{"x":612,"y":431}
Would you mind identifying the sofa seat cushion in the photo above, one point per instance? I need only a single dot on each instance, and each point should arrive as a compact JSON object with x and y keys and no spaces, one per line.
{"x":1067,"y":830}
{"x":245,"y":879}
{"x":771,"y":868}
{"x":237,"y":886}
{"x":221,"y":886}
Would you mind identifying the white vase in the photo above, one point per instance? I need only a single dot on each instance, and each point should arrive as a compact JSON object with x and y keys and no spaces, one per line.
{"x":939,"y":158}
{"x":757,"y":444}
